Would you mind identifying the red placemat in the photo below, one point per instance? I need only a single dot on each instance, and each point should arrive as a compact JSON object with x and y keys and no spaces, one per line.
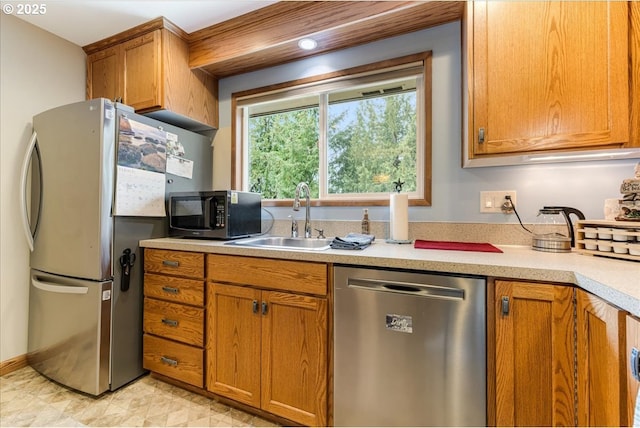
{"x":457,"y":246}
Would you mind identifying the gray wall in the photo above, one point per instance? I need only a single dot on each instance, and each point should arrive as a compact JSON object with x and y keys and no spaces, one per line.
{"x":456,"y":191}
{"x":39,"y":71}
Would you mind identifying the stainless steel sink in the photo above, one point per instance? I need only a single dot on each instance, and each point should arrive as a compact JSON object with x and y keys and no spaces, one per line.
{"x":313,"y":244}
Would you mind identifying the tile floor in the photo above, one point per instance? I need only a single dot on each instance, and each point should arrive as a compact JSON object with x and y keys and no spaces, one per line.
{"x":29,"y":399}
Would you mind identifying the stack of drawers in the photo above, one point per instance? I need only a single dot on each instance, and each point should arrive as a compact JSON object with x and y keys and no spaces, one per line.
{"x":174,"y":315}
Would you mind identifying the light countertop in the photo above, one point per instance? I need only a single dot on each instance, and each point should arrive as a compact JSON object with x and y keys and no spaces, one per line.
{"x":616,"y":281}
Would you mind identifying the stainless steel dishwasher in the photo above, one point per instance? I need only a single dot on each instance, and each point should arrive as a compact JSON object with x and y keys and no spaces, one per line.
{"x":409,"y":348}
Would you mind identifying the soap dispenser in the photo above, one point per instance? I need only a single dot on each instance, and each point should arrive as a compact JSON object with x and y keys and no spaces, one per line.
{"x":365,"y":221}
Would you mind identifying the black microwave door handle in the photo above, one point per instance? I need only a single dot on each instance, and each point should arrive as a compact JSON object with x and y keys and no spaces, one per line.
{"x":208,"y":219}
{"x":170,"y":211}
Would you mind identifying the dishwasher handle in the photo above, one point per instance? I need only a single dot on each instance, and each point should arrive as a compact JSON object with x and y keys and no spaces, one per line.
{"x":421,"y":290}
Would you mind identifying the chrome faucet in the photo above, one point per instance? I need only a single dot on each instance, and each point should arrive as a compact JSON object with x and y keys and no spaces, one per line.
{"x":296,"y":207}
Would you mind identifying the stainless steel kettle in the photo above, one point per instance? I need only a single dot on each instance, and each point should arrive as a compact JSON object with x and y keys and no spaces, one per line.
{"x":553,"y":231}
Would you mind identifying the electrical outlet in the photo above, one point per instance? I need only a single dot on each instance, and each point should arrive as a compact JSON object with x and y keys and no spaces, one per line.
{"x":491,"y":201}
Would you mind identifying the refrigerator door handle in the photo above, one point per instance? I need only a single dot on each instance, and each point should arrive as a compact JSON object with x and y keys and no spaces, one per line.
{"x":56,"y":288}
{"x":23,"y":189}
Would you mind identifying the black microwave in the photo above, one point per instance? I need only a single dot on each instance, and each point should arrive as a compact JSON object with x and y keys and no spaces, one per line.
{"x":216,"y":214}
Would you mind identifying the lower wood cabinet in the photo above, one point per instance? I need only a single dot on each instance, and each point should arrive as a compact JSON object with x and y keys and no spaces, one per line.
{"x":632,"y":358}
{"x":534,"y":355}
{"x":258,"y":334}
{"x":558,"y":357}
{"x":172,"y":359}
{"x":174,"y":321}
{"x":600,"y":359}
{"x":234,"y":334}
{"x":268,"y":348}
{"x":174,"y":315}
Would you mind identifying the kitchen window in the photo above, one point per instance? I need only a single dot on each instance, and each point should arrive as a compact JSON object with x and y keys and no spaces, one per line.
{"x":351,"y":135}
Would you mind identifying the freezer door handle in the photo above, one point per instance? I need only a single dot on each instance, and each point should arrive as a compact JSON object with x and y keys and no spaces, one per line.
{"x":57,"y":288}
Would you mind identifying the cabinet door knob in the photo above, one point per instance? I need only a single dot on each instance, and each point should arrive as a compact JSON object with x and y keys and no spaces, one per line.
{"x":505,"y":305}
{"x":255,"y":306}
{"x":264,"y":308}
{"x":481,"y":135}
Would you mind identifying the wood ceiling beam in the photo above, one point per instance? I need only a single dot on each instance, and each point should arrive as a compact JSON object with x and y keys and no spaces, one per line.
{"x":269,"y":36}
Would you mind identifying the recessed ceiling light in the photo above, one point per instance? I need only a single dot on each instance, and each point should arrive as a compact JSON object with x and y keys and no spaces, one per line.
{"x":307,"y":44}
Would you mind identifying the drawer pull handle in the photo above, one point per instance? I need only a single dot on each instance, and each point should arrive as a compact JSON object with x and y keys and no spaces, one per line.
{"x":169,"y":361}
{"x":171,"y":263}
{"x":171,"y":290}
{"x":172,"y":323}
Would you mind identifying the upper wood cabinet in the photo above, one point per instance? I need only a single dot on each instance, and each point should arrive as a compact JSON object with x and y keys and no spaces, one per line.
{"x":141,"y":68}
{"x":103,"y":74}
{"x":600,"y":361}
{"x":547,"y":76}
{"x":534,"y":355}
{"x":634,"y":67}
{"x":147,"y":68}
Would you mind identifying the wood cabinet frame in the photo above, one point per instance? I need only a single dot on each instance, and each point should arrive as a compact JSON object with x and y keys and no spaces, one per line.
{"x":268,"y":323}
{"x":559,"y":357}
{"x":147,"y":68}
{"x":601,"y":367}
{"x":534,"y":355}
{"x":174,"y":315}
{"x":617,"y":112}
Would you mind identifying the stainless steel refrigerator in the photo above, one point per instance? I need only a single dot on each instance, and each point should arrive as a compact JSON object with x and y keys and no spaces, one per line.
{"x":99,"y":175}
